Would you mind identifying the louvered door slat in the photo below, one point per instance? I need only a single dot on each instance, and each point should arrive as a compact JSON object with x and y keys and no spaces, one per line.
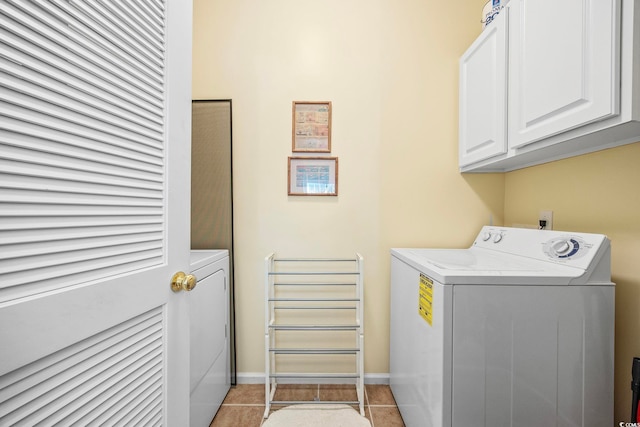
{"x":75,"y":178}
{"x":148,"y":62}
{"x":24,"y":164}
{"x":87,"y":381}
{"x":153,"y":10}
{"x":41,"y":139}
{"x":85,"y":53}
{"x":13,"y":71}
{"x":58,"y":114}
{"x":146,"y":16}
{"x":21,"y":188}
{"x":101,"y":43}
{"x":72,"y":259}
{"x":113,"y":26}
{"x":59,"y":57}
{"x":65,"y":234}
{"x":11,"y":196}
{"x":88,"y":199}
{"x":58,"y":81}
{"x":130,"y":16}
{"x":92,"y":268}
{"x":157,"y":6}
{"x":145,"y":405}
{"x":79,"y":158}
{"x":85,"y":34}
{"x":53,"y":269}
{"x":83,"y":393}
{"x":44,"y":248}
{"x":108,"y":404}
{"x":148,"y":414}
{"x":35,"y":212}
{"x":17,"y":382}
{"x":70,"y":388}
{"x":75,"y":110}
{"x":25,"y":50}
{"x":117,"y":224}
{"x":56,"y":125}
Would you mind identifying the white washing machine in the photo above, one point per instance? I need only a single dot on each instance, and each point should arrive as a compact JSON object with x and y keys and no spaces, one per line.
{"x":517,"y":330}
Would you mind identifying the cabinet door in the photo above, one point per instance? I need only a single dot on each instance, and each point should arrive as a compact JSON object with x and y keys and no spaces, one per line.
{"x":563,"y":66}
{"x":483,"y":95}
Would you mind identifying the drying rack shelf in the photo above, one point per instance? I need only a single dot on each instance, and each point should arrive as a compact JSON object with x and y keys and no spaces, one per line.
{"x":314,"y":320}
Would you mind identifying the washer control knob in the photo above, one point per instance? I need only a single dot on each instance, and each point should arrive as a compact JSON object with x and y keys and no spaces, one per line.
{"x":562,"y":247}
{"x":486,"y":236}
{"x":566,"y":248}
{"x":497,"y":238}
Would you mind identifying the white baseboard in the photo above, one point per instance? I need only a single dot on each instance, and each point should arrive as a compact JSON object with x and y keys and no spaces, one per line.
{"x":376,"y":378}
{"x":258,"y":378}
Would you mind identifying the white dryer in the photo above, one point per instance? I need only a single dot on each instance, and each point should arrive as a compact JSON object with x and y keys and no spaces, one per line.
{"x":517,"y":330}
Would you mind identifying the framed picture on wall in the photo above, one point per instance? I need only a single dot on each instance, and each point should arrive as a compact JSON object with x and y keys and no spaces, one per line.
{"x":311,"y":127}
{"x":313,"y":176}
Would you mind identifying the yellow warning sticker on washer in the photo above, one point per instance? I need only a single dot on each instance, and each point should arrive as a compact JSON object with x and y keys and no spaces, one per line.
{"x":425,"y":299}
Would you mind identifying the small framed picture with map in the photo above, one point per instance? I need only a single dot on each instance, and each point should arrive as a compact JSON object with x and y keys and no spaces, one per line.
{"x":311,"y":127}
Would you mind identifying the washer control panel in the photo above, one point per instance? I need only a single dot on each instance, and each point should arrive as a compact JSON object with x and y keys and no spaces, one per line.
{"x":560,"y":247}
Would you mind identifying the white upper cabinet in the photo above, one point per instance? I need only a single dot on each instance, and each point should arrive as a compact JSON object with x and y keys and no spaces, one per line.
{"x":483,"y":95}
{"x":564,"y":69}
{"x":572,"y":76}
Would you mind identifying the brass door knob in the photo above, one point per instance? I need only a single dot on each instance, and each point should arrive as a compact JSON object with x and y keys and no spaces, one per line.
{"x":183,"y":282}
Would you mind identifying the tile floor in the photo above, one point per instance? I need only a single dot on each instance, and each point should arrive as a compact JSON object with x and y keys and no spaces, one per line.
{"x":244,"y":404}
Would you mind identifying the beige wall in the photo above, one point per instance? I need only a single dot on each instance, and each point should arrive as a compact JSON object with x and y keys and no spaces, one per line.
{"x":596,"y":193}
{"x":390,"y":69}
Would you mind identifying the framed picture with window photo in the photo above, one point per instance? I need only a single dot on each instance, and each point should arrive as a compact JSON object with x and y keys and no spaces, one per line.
{"x":313,"y":176}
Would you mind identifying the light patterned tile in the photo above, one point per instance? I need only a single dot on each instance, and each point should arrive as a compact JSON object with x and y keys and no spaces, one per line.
{"x":296,"y":392}
{"x":236,"y":416}
{"x":386,"y":416}
{"x":379,"y":394}
{"x":247,"y":394}
{"x":338,"y":392}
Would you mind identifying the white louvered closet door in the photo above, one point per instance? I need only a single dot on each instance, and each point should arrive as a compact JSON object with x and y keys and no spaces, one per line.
{"x":95,"y":110}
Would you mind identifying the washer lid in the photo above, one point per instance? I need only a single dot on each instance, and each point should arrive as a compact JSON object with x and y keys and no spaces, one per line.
{"x":485,"y":267}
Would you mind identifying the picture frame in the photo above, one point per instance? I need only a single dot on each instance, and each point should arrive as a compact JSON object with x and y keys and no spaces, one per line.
{"x":312,"y":176}
{"x":311,"y":131}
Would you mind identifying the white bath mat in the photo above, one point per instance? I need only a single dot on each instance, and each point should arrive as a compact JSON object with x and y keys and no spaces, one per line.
{"x":316,"y":416}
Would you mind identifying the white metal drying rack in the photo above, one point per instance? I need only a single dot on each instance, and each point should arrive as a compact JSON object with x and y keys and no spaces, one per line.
{"x":324,"y":275}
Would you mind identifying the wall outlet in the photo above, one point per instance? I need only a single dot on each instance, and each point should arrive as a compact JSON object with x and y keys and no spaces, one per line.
{"x":548,"y":217}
